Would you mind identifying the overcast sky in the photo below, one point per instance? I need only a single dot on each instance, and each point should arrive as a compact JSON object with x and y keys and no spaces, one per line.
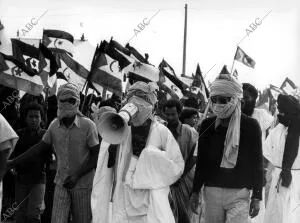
{"x":214,"y":30}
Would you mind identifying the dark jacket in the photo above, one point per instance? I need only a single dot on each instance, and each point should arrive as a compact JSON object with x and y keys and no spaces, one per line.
{"x":248,"y":171}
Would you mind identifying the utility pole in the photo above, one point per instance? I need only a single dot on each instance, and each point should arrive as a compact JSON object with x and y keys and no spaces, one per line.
{"x":184,"y":41}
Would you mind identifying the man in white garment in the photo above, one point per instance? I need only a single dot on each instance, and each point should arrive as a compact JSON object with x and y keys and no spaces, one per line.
{"x":135,"y":188}
{"x":265,"y":120}
{"x":281,"y":149}
{"x":8,"y":140}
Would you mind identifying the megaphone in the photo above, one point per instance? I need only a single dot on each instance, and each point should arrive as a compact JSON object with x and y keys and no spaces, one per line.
{"x":113,"y":127}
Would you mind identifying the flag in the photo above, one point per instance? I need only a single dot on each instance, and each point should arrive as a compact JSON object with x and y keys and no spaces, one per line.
{"x":18,"y":76}
{"x":29,"y":56}
{"x":242,"y":57}
{"x":169,"y":79}
{"x":275,"y":91}
{"x":264,"y":100}
{"x":288,"y":86}
{"x":105,"y":72}
{"x":72,"y":64}
{"x":48,"y":72}
{"x":198,"y":86}
{"x":137,"y":55}
{"x":117,"y":52}
{"x":59,"y":41}
{"x":142,"y":71}
{"x":71,"y":71}
{"x":169,"y":72}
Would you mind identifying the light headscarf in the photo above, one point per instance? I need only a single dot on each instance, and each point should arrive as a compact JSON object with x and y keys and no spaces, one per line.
{"x":225,"y":85}
{"x":66,"y":109}
{"x":144,"y":97}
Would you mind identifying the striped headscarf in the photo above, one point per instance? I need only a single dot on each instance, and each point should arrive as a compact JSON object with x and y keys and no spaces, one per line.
{"x":66,"y":109}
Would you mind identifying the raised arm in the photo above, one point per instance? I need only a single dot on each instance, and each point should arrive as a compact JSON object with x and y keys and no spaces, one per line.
{"x":32,"y":152}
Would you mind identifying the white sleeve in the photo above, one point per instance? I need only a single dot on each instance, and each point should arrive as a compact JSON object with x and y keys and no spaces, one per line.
{"x":8,"y":137}
{"x":158,"y":168}
{"x":266,"y":119}
{"x":268,"y":148}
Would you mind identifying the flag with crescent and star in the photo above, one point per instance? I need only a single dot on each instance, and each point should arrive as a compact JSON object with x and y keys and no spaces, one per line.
{"x":105,"y":71}
{"x":117,"y":52}
{"x":29,"y":55}
{"x":58,"y":41}
{"x":16,"y":75}
{"x":70,"y":70}
{"x":242,"y":57}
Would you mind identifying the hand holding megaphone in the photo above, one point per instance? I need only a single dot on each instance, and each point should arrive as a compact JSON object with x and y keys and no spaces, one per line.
{"x":113,"y":126}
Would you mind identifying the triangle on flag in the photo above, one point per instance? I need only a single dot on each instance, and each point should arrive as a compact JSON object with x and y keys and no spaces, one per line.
{"x":29,"y":55}
{"x":12,"y":74}
{"x":242,"y":57}
{"x":59,"y":41}
{"x":105,"y":72}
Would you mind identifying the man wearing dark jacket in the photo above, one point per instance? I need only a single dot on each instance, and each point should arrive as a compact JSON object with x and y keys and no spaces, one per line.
{"x":229,"y":162}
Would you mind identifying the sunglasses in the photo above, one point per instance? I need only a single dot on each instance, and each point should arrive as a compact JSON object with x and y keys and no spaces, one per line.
{"x":69,"y":100}
{"x":220,"y":99}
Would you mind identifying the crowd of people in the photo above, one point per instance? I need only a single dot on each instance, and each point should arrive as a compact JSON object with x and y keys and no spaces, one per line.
{"x":232,"y":163}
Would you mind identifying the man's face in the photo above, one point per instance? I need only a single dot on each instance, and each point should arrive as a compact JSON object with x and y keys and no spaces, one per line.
{"x":33,"y":119}
{"x":171,"y":115}
{"x":248,"y":104}
{"x":192,"y":121}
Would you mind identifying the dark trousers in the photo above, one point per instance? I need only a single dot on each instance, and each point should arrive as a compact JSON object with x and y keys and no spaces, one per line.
{"x":30,"y":202}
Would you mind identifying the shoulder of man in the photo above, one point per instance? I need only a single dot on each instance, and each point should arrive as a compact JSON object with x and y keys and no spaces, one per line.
{"x":188,"y":129}
{"x":249,"y":123}
{"x":85,"y":120}
{"x":207,"y":123}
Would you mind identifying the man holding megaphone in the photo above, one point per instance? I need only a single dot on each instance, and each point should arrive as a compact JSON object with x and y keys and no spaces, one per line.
{"x":148,"y":161}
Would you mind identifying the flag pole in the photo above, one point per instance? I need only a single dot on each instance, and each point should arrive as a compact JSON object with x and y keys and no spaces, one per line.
{"x":46,"y":106}
{"x":233,"y":62}
{"x":184,"y":41}
{"x":232,"y":66}
{"x":87,"y":79}
{"x":90,"y":101}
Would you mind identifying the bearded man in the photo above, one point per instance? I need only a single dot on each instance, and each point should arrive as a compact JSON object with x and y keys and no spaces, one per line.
{"x":229,"y":161}
{"x":136,"y":186}
{"x":76,"y":144}
{"x":282,"y":150}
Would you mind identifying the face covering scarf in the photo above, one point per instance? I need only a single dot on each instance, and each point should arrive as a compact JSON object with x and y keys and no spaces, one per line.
{"x":145,"y":111}
{"x":225,"y":85}
{"x":67,"y":109}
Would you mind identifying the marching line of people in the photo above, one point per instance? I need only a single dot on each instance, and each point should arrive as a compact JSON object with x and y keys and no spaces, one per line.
{"x":234,"y":167}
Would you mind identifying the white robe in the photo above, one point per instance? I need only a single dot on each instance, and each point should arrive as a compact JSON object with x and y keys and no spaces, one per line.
{"x":265,"y":120}
{"x":8,"y":139}
{"x":145,"y":184}
{"x":284,"y":203}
